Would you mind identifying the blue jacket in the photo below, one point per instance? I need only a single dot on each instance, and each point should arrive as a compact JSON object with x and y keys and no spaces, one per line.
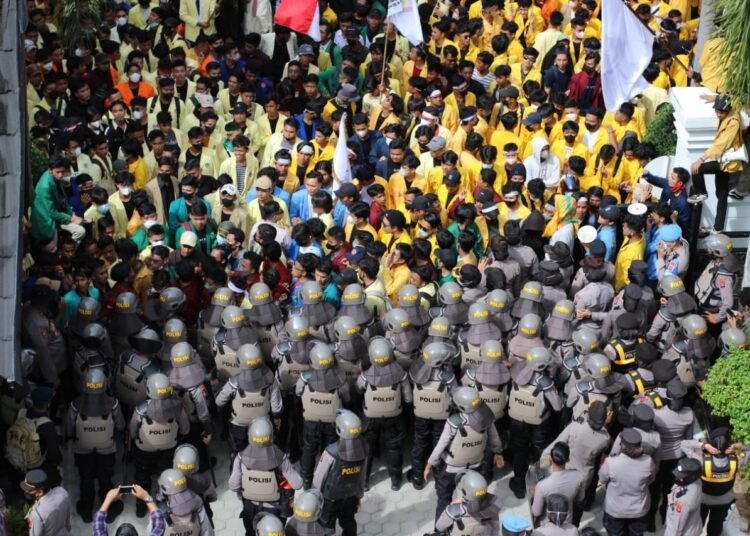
{"x":365,"y":148}
{"x":277,"y":192}
{"x":677,"y":202}
{"x":340,"y":214}
{"x":300,"y":205}
{"x":653,"y":239}
{"x":608,"y":235}
{"x":301,"y":131}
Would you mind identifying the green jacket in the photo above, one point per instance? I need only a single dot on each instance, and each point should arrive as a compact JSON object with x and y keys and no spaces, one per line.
{"x":50,"y":208}
{"x":329,"y":81}
{"x":205,"y":245}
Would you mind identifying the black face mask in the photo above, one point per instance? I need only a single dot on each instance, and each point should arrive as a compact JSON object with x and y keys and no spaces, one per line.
{"x":570,"y":138}
{"x":165,"y":177}
{"x":590,"y":127}
{"x":197,"y":146}
{"x":511,"y":204}
{"x":587,"y":69}
{"x":227,"y":202}
{"x":28,"y":497}
{"x":187,"y":196}
{"x":167,"y":96}
{"x":209,"y":130}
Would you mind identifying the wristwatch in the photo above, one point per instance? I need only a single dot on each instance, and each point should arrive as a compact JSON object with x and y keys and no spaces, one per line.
{"x":150,"y":499}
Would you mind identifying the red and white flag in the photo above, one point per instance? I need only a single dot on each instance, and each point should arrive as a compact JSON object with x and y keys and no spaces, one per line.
{"x":302,"y":16}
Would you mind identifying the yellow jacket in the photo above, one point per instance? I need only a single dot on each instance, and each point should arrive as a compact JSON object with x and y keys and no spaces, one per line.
{"x":254,"y":215}
{"x":140,"y":171}
{"x":563,"y":153}
{"x":395,"y":278}
{"x":190,"y":15}
{"x":629,"y":252}
{"x":728,"y":136}
{"x":396,"y":188}
{"x":251,"y":171}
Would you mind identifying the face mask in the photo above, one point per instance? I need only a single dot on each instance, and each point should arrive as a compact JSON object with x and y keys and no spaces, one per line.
{"x":126,"y":190}
{"x":28,"y":497}
{"x":134,"y":77}
{"x":510,"y":160}
{"x":186,"y":195}
{"x":351,"y":220}
{"x":48,"y":66}
{"x":137,"y":114}
{"x":403,"y":172}
{"x":209,"y":130}
{"x":579,"y":34}
{"x":422,"y":233}
{"x":96,"y":124}
{"x":77,"y":152}
{"x":149,"y":223}
{"x":220,"y":239}
{"x":547,"y":217}
{"x":164,"y":176}
{"x":227,"y":202}
{"x":590,"y":127}
{"x":167,"y":96}
{"x":198,"y":146}
{"x":571,"y":117}
{"x":511,"y":204}
{"x":362,"y":133}
{"x":588,"y":69}
{"x":157,"y":243}
{"x":388,"y":141}
{"x":122,"y":21}
{"x":570,"y":138}
{"x":544,"y":155}
{"x":486,"y":166}
{"x":66,"y":179}
{"x":103,"y":209}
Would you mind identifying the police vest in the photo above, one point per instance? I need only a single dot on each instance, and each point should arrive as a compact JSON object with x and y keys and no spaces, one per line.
{"x":130,"y":386}
{"x":351,"y":369}
{"x":706,"y":291}
{"x":225,"y":358}
{"x":638,"y":382}
{"x":94,"y":433}
{"x":526,"y":403}
{"x":470,"y":356}
{"x":268,"y":338}
{"x":155,"y":436}
{"x":289,"y":370}
{"x":206,"y":334}
{"x":187,"y":525}
{"x":652,"y":398}
{"x":625,"y":352}
{"x":382,"y":402}
{"x":465,"y":524}
{"x":248,"y":405}
{"x":432,"y":400}
{"x":718,"y":480}
{"x":495,"y":398}
{"x":685,"y":372}
{"x":260,"y":486}
{"x":467,"y":446}
{"x":319,"y":406}
{"x":345,"y":479}
{"x":587,"y":394}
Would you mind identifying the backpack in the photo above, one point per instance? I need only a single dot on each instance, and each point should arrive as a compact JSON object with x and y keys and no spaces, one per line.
{"x":23,"y":450}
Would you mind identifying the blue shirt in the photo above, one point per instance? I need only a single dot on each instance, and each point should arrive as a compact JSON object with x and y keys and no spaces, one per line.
{"x":340,"y":214}
{"x":294,"y":250}
{"x":277,"y":192}
{"x":653,"y":239}
{"x":332,"y":295}
{"x":677,"y":202}
{"x":72,"y":300}
{"x":300,"y":206}
{"x":608,"y":235}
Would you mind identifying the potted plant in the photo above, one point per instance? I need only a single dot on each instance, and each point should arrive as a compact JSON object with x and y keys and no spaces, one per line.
{"x":727,"y":392}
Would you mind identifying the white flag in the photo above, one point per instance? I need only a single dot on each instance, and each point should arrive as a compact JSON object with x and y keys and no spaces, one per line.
{"x":342,"y":170}
{"x":626,"y":51}
{"x":405,"y":17}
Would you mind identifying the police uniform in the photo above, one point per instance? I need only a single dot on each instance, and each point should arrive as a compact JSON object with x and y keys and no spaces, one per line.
{"x":50,"y":514}
{"x":233,"y":333}
{"x":714,"y":288}
{"x":569,"y":483}
{"x":130,"y":378}
{"x":596,"y":297}
{"x":40,"y":334}
{"x":185,"y":515}
{"x":621,"y":350}
{"x":684,"y":508}
{"x":469,"y":518}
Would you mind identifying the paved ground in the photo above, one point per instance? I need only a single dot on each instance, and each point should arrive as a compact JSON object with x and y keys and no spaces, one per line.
{"x":384,"y":512}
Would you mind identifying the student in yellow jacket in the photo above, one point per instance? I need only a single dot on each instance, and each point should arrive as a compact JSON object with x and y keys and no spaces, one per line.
{"x":242,"y":167}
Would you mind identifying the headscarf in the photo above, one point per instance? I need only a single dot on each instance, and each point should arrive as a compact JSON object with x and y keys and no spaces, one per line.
{"x":565,"y":213}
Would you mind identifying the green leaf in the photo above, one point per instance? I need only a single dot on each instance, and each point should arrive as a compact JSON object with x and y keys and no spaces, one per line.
{"x":727,"y":391}
{"x":734,"y":50}
{"x":661,"y":131}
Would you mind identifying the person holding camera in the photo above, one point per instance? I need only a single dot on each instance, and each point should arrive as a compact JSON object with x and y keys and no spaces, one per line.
{"x":157,"y":522}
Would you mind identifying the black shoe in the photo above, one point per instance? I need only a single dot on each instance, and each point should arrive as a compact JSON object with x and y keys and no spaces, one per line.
{"x":84,"y":512}
{"x":651,"y":526}
{"x":518,"y":487}
{"x":140,"y":509}
{"x":367,"y":485}
{"x":114,"y":510}
{"x":396,"y":483}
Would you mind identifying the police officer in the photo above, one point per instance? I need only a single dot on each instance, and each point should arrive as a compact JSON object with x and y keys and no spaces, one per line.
{"x":306,"y":520}
{"x":585,"y":341}
{"x":183,"y":508}
{"x":340,"y":474}
{"x":187,"y":460}
{"x":91,"y":354}
{"x":684,"y":500}
{"x":350,"y":349}
{"x":491,"y":377}
{"x":588,"y":441}
{"x":404,"y":338}
{"x":433,"y":383}
{"x":353,"y":305}
{"x":640,"y":417}
{"x":92,"y":421}
{"x":600,"y":383}
{"x":265,"y":317}
{"x":532,"y":401}
{"x":499,"y":303}
{"x":171,"y":302}
{"x":262,"y":475}
{"x":87,"y":313}
{"x":731,"y":339}
{"x":233,"y":333}
{"x":621,"y":350}
{"x":386,"y":389}
{"x":558,"y":330}
{"x":125,"y":321}
{"x":720,"y":464}
{"x":551,"y":279}
{"x":175,"y":331}
{"x":638,"y":275}
{"x":410,"y":300}
{"x":675,"y":303}
{"x":188,"y":382}
{"x":570,"y":483}
{"x":253,"y":393}
{"x":638,"y":380}
{"x":319,"y":313}
{"x":452,"y":305}
{"x":528,"y":302}
{"x":135,"y":367}
{"x":691,"y":354}
{"x":593,"y":260}
{"x":476,"y":510}
{"x":557,"y":521}
{"x":593,"y":300}
{"x":40,"y":333}
{"x":440,"y":330}
{"x":209,"y":319}
{"x":529,"y":336}
{"x":50,"y":512}
{"x":323,"y":390}
{"x":714,"y":287}
{"x":628,"y":300}
{"x":479,"y":330}
{"x":462,"y":444}
{"x":154,"y":429}
{"x":626,"y":476}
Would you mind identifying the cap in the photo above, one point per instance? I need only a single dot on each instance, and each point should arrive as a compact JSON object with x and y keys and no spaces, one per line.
{"x":663,"y":370}
{"x":239,"y":108}
{"x":670,"y":232}
{"x":586,"y":234}
{"x":306,"y":50}
{"x":510,"y":92}
{"x":42,"y":395}
{"x":676,"y":389}
{"x":637,"y":209}
{"x":189,"y":238}
{"x":630,"y":437}
{"x":229,"y":189}
{"x":597,"y":248}
{"x":421,"y":202}
{"x":515,"y":523}
{"x":452,"y":178}
{"x":345,"y":277}
{"x":646,"y":353}
{"x":348,"y":93}
{"x":723,"y":103}
{"x":264,"y":183}
{"x":355,"y":255}
{"x":611,"y":212}
{"x":557,"y":251}
{"x":532,"y":118}
{"x":485,"y":196}
{"x":627,"y":321}
{"x":36,"y":478}
{"x":346,"y":190}
{"x":436,"y":144}
{"x":633,"y":292}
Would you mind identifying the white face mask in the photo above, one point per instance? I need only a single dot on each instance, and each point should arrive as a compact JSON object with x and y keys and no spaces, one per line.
{"x":103,"y":209}
{"x":544,"y":155}
{"x":134,"y":77}
{"x":510,"y":160}
{"x":137,"y":114}
{"x":422,"y":233}
{"x":351,"y":220}
{"x":236,"y":56}
{"x":486,"y":166}
{"x":96,"y":124}
{"x":122,"y":21}
{"x":579,"y":34}
{"x":77,"y":152}
{"x":126,"y":190}
{"x":149,"y":223}
{"x":66,"y":179}
{"x":157,"y":243}
{"x":361,"y":133}
{"x":388,"y":141}
{"x":571,"y":117}
{"x":48,"y":66}
{"x":403,"y":172}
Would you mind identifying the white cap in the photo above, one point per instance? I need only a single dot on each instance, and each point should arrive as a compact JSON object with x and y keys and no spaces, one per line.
{"x":586,"y":234}
{"x":230,"y":189}
{"x":205,"y":100}
{"x":637,"y":209}
{"x":189,"y":238}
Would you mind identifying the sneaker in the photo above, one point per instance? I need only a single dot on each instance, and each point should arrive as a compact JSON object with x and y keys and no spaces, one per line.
{"x":114,"y":510}
{"x":735,"y":194}
{"x":84,"y":512}
{"x":697,"y":198}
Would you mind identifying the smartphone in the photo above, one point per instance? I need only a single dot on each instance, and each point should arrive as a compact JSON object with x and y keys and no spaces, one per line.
{"x":126,"y":489}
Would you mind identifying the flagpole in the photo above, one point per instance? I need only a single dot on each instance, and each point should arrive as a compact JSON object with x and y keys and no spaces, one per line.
{"x":385,"y":53}
{"x":666,"y":44}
